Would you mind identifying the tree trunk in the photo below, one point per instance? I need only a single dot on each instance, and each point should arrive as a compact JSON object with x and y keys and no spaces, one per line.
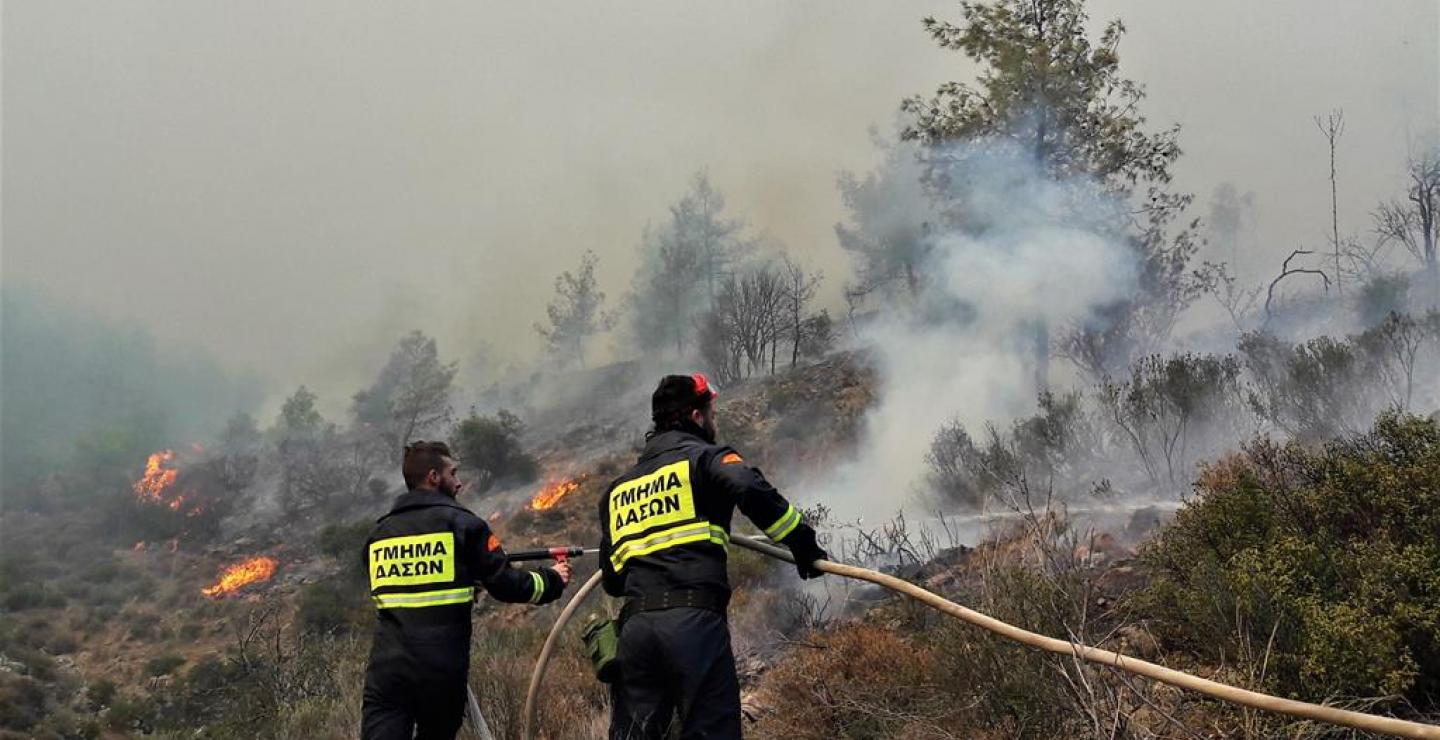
{"x":1042,"y":356}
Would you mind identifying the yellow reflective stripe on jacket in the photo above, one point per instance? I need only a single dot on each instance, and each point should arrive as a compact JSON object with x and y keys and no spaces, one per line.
{"x":539,"y":582}
{"x":784,"y":525}
{"x":701,"y":531}
{"x":425,"y":598}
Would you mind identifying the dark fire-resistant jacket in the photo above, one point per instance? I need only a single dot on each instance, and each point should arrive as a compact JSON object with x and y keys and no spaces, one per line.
{"x":425,"y":558}
{"x":665,"y":523}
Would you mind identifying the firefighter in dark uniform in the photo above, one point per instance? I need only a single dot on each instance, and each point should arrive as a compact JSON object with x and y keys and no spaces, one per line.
{"x":665,"y":527}
{"x":425,"y":558}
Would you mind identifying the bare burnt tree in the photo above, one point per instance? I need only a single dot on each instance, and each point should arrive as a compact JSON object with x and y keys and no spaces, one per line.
{"x":1391,"y":350}
{"x":797,"y":290}
{"x":740,"y":335}
{"x":1232,"y":215}
{"x":1414,"y":220}
{"x":1286,"y":271}
{"x":1331,"y":126}
{"x":1238,"y":302}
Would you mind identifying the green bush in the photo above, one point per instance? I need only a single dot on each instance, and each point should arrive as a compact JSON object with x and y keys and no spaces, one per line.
{"x":164,"y":665}
{"x":143,"y":625}
{"x":129,"y":713}
{"x":490,"y":451}
{"x":101,"y":693}
{"x":327,"y":608}
{"x":1337,"y":550}
{"x":22,"y":702}
{"x":346,"y":544}
{"x":26,"y":596}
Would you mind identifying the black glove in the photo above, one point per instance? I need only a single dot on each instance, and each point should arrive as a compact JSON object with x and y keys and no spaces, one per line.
{"x":806,"y":551}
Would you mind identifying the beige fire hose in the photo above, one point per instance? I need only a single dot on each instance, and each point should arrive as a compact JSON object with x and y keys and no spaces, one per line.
{"x":1236,"y":695}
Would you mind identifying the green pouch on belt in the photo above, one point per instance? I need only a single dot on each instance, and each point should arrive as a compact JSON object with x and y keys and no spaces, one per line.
{"x":602,"y":642}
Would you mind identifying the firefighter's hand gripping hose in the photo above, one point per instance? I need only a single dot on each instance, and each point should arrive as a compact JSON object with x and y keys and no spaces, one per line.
{"x":1225,"y":692}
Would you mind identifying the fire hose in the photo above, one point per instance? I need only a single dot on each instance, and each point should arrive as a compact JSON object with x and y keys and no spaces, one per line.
{"x":1234,"y":694}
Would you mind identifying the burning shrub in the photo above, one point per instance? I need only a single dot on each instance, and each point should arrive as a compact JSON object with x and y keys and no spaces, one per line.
{"x":490,"y":447}
{"x":171,"y":500}
{"x":1334,"y":550}
{"x":552,"y":493}
{"x":242,"y":574}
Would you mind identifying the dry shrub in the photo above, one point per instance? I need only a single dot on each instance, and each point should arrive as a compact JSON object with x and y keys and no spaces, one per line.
{"x":572,"y":704}
{"x":859,"y":681}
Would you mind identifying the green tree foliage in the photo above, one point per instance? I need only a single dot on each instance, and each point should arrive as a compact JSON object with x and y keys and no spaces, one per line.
{"x":889,"y":219}
{"x":92,"y":397}
{"x":489,"y":448}
{"x":1048,"y":89}
{"x":238,"y":454}
{"x":309,"y":474}
{"x":1051,"y":448}
{"x":411,"y":396}
{"x":298,"y":416}
{"x":1336,"y":551}
{"x":575,"y":313}
{"x":1050,"y":92}
{"x":1165,"y":401}
{"x":683,"y":266}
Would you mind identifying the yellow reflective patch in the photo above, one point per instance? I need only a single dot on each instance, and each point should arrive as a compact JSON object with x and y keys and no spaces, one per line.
{"x":784,"y":525}
{"x":658,"y":499}
{"x":679,"y":535}
{"x":423,"y":599}
{"x":408,"y":561}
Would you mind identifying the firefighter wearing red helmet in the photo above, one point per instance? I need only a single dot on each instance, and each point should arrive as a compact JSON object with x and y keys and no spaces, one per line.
{"x":665,"y":527}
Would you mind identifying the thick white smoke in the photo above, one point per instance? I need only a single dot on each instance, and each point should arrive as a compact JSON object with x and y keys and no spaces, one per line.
{"x":1024,"y":251}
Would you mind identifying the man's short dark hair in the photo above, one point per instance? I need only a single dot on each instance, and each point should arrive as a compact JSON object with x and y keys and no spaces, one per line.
{"x":422,"y":457}
{"x":676,"y":397}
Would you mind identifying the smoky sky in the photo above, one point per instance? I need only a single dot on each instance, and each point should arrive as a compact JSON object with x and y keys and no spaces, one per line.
{"x":292,"y":185}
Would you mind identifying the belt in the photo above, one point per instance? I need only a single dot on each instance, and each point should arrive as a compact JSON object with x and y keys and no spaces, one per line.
{"x":708,"y":600}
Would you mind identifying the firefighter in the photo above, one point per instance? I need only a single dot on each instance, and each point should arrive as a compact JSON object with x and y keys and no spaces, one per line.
{"x":665,"y":527}
{"x":425,"y":558}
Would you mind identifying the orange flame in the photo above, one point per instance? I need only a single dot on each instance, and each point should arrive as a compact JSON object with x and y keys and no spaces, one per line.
{"x":157,"y":478}
{"x":551,"y":495}
{"x":242,"y":574}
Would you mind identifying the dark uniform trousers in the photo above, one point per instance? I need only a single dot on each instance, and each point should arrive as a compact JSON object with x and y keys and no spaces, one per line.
{"x":676,"y":661}
{"x":415,"y":689}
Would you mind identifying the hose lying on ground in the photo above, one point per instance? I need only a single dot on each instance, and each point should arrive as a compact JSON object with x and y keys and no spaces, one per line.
{"x":1253,"y":699}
